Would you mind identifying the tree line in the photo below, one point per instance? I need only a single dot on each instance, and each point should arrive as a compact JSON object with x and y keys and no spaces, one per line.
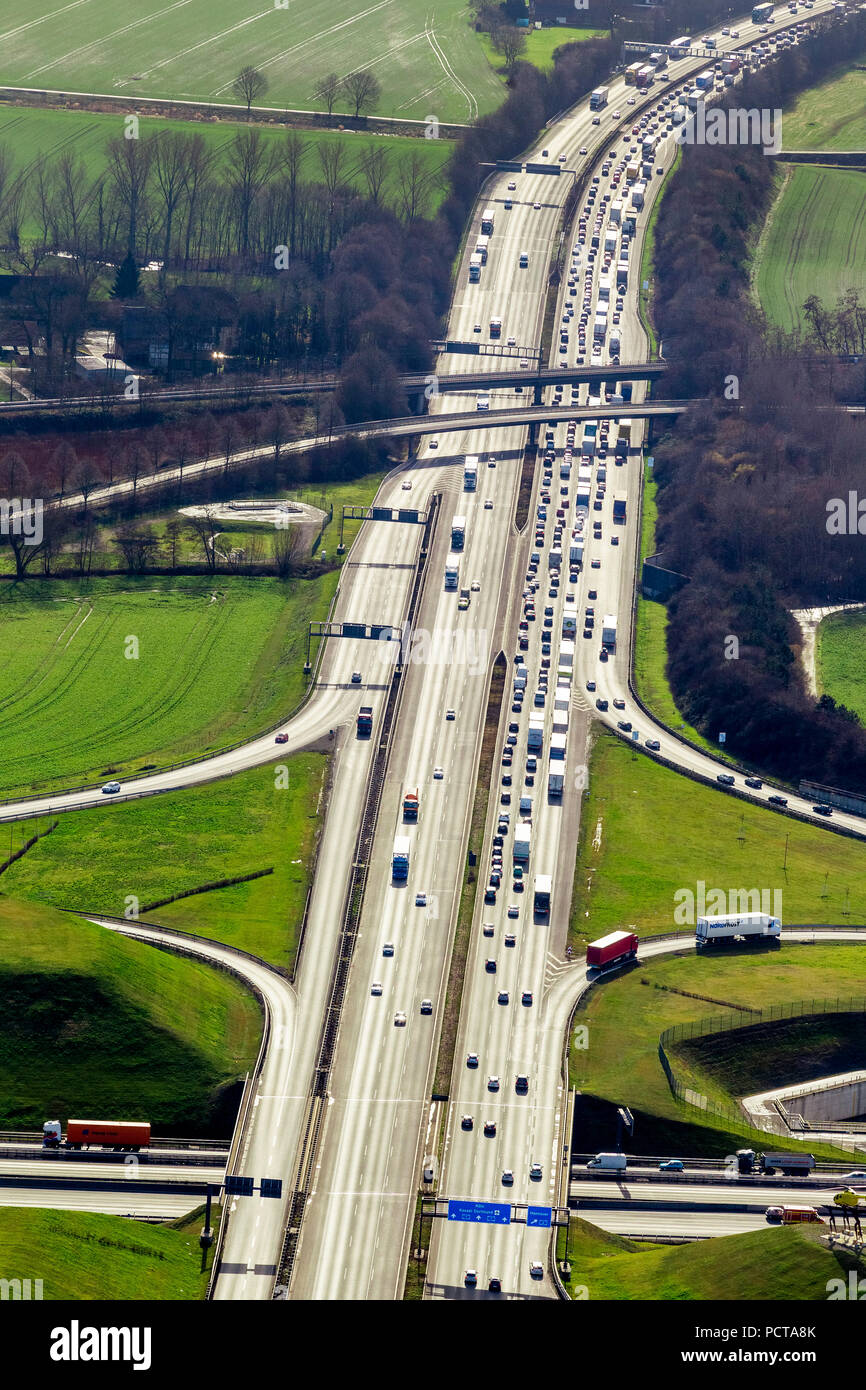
{"x":747,"y":483}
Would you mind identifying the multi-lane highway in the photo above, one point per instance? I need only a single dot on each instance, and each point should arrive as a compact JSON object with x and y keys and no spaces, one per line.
{"x":355,"y":1233}
{"x":357,"y":1222}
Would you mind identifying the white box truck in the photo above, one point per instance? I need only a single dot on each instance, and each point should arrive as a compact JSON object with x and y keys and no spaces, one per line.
{"x":608,"y":631}
{"x":522,"y":843}
{"x":722,"y":927}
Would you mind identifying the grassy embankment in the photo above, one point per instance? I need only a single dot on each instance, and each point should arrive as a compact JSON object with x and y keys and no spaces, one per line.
{"x":94,"y":1023}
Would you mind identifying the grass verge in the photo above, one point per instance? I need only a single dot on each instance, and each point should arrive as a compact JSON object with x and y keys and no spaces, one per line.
{"x":93,"y":1023}
{"x":111,"y":677}
{"x":85,"y":1255}
{"x":840,"y":660}
{"x":648,"y":835}
{"x":781,"y":1265}
{"x":159,"y":846}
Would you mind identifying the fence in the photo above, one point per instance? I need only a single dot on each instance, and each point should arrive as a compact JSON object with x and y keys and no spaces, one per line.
{"x":734,"y":1022}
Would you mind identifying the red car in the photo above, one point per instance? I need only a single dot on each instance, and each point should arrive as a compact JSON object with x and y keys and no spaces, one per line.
{"x":281,"y":738}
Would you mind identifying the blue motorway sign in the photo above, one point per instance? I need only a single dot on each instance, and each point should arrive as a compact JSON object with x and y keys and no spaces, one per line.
{"x":539,"y":1216}
{"x":490,"y":1213}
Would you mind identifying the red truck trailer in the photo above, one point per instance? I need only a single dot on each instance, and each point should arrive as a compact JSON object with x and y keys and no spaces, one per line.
{"x":365,"y":720}
{"x":410,"y":805}
{"x":615,"y":949}
{"x":103,"y":1134}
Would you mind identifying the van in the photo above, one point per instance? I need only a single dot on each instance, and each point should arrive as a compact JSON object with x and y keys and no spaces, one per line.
{"x":524,"y":259}
{"x":526,"y":805}
{"x":611,"y":1162}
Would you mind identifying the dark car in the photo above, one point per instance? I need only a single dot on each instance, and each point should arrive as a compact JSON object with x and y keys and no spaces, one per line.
{"x":625,"y":725}
{"x":778,"y":800}
{"x":822,"y":809}
{"x":601,"y":704}
{"x":755,"y":783}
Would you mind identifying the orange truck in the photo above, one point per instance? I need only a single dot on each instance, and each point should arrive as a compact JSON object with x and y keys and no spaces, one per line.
{"x":125,"y":1135}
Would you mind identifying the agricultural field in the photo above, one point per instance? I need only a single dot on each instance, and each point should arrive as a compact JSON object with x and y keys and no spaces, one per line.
{"x":67,"y":1250}
{"x":647,"y":832}
{"x":626,"y":1015}
{"x":30,"y":133}
{"x":95,"y":1023}
{"x":840,"y":660}
{"x":815,"y":242}
{"x":831,"y":116}
{"x":131,"y":675}
{"x":182,"y":841}
{"x":427,"y":61}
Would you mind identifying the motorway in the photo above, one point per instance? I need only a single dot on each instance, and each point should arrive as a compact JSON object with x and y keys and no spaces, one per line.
{"x":356,"y":1230}
{"x":358,"y":1215}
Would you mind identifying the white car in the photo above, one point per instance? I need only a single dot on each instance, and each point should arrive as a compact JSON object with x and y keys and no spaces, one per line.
{"x":631,"y":101}
{"x":438,"y":774}
{"x":420,"y":899}
{"x":507,"y":1177}
{"x":399,"y":1020}
{"x":536,"y":1270}
{"x":475,"y":586}
{"x":536,"y":206}
{"x":433,"y":444}
{"x":511,"y":185}
{"x":406,"y":485}
{"x":561,"y":158}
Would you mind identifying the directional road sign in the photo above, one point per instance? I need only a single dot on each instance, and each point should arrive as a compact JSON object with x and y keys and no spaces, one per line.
{"x":488,"y":1213}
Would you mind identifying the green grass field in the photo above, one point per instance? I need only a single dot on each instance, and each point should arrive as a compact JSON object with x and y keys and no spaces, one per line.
{"x":428,"y":61}
{"x":831,"y":116}
{"x":815,"y":242}
{"x":618,"y":1062}
{"x":31,"y":133}
{"x":647,"y":833}
{"x":541,"y":44}
{"x":169,"y":844}
{"x":217,"y":660}
{"x":85,"y":1255}
{"x":93,"y":1023}
{"x":840,"y":660}
{"x":776,"y":1265}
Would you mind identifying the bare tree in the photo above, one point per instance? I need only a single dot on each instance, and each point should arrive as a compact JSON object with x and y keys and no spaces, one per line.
{"x":86,"y":479}
{"x":374,"y":166}
{"x":129,"y":167}
{"x":328,"y":90}
{"x":205,"y":529}
{"x":286,"y":548}
{"x":251,"y":162}
{"x":332,"y":157}
{"x":249,"y":85}
{"x":63,"y":462}
{"x":510,"y":42}
{"x":363,"y":89}
{"x":294,"y":150}
{"x":414,"y":179}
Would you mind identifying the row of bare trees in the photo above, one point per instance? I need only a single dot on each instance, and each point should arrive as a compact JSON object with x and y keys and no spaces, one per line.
{"x":180,"y":198}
